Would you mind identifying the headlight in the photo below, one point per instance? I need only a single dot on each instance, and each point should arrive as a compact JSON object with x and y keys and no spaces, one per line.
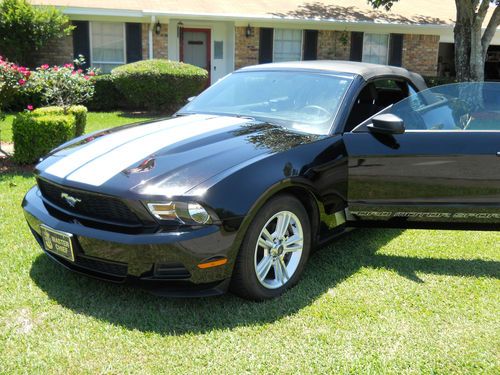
{"x":182,"y":212}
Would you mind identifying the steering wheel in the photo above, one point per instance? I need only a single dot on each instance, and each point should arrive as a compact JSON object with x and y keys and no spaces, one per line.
{"x":318,"y":109}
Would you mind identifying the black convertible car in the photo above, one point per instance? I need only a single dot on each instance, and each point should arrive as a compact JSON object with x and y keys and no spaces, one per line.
{"x":238,"y":186}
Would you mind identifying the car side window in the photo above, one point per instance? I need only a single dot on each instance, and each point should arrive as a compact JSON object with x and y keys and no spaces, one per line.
{"x":373,"y":98}
{"x":458,"y":107}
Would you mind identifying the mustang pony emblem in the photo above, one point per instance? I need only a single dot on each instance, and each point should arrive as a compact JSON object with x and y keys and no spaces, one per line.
{"x":72,"y":201}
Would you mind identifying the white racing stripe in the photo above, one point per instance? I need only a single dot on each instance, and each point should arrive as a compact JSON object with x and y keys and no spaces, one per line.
{"x":101,"y":169}
{"x":101,"y":146}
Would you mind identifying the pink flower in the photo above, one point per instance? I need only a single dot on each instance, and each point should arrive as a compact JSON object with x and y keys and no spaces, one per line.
{"x":29,"y":107}
{"x":44,"y":67}
{"x":21,"y":82}
{"x":79,"y":71}
{"x":68,"y":66}
{"x":55,"y":68}
{"x":86,"y":77}
{"x":91,"y":73}
{"x":27,"y":74}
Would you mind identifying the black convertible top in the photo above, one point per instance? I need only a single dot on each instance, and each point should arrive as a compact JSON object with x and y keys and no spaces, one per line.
{"x":365,"y":70}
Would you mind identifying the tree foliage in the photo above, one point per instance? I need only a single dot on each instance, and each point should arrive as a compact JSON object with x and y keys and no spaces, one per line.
{"x":471,"y":43}
{"x":25,"y":29}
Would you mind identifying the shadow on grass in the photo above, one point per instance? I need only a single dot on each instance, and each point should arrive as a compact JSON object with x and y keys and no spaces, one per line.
{"x":9,"y":169}
{"x":134,"y":309}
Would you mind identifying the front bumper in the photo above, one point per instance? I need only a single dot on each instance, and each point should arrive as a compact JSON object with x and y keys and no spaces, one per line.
{"x":163,"y":262}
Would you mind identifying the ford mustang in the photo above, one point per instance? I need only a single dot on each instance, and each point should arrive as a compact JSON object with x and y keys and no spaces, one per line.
{"x":235,"y":189}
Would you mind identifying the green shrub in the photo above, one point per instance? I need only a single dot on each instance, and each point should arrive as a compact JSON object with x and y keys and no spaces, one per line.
{"x":79,"y":112}
{"x":436,"y":81}
{"x":159,"y":84}
{"x":106,"y":96}
{"x":35,"y":135}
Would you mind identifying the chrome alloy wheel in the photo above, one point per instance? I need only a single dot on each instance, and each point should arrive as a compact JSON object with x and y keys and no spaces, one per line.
{"x":278,"y":250}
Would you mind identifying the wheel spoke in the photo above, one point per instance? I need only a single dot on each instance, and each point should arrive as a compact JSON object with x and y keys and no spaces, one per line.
{"x":278,"y":272}
{"x":266,"y":235}
{"x":265,"y":244}
{"x":264,"y":266}
{"x":283,"y":267}
{"x":282,"y":224}
{"x":295,"y":239}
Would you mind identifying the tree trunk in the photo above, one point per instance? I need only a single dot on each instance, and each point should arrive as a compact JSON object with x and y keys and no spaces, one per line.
{"x":462,"y":33}
{"x":477,"y":56}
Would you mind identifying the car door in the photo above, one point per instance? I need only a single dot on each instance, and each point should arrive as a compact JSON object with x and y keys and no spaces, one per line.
{"x":442,"y":171}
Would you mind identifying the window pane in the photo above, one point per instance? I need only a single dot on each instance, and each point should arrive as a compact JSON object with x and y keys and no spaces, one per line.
{"x":287,"y":45}
{"x":107,"y":43}
{"x":375,"y":48}
{"x":461,"y":107}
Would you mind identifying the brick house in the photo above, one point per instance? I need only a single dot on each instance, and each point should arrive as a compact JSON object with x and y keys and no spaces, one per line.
{"x":224,"y":35}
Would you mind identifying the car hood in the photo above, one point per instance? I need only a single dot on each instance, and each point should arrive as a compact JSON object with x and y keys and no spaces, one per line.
{"x":167,"y":157}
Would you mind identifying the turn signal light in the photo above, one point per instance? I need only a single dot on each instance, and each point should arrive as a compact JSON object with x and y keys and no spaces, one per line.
{"x":213,"y":263}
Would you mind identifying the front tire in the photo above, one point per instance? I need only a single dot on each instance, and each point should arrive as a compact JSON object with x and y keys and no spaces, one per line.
{"x":274,"y":251}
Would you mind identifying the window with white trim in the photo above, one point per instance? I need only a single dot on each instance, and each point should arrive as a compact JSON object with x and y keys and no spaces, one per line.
{"x":287,"y":45}
{"x":107,"y":45}
{"x":375,"y":48}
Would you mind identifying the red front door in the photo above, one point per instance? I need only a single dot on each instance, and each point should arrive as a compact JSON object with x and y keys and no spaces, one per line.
{"x":195,"y":48}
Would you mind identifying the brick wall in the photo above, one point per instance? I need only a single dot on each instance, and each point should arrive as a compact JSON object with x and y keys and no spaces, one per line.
{"x":160,"y":43}
{"x":56,"y":52}
{"x":420,"y":53}
{"x":333,"y":45}
{"x":145,"y":41}
{"x":246,"y":48}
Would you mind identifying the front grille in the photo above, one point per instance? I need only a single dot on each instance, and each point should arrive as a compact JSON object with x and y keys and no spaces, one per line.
{"x":89,"y":205}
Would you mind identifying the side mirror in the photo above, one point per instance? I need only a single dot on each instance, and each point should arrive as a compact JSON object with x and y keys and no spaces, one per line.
{"x":190,"y":99}
{"x":387,"y":123}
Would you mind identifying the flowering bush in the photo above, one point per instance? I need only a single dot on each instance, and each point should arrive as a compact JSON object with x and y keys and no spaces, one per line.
{"x":64,"y":86}
{"x":12,"y":78}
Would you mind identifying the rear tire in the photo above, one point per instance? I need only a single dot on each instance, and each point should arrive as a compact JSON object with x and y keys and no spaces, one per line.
{"x":274,"y":251}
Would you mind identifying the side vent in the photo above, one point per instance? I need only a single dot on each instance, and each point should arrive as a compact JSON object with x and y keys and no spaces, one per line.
{"x":171,"y":271}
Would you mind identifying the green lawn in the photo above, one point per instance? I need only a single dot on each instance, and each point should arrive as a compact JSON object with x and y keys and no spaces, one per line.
{"x":95,"y":121}
{"x":374,"y":301}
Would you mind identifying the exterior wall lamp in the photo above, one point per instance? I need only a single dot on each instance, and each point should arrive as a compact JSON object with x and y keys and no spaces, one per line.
{"x":158,"y":28}
{"x":249,"y":31}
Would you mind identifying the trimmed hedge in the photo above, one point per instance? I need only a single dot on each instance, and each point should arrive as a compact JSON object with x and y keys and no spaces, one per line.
{"x":35,"y":135}
{"x":106,"y":96}
{"x":79,"y":112}
{"x":159,"y":84}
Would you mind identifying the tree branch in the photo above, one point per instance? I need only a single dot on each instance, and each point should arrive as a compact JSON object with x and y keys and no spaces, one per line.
{"x":483,"y":9}
{"x":491,"y":29}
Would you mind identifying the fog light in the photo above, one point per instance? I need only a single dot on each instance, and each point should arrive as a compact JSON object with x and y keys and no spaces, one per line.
{"x":198,"y":213}
{"x":163,"y":211}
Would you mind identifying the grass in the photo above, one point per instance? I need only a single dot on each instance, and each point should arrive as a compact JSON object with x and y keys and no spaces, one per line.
{"x":374,"y":301}
{"x":95,"y":121}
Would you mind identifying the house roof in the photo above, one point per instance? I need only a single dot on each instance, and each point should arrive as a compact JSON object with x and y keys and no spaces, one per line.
{"x":416,"y":12}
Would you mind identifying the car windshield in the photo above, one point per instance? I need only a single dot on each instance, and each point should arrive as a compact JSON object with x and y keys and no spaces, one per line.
{"x":302,"y":101}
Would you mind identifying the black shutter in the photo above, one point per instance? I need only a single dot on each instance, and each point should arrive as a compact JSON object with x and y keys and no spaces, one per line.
{"x":310,"y":44}
{"x":396,"y":49}
{"x":133,"y":34}
{"x":266,"y":45}
{"x":356,"y":46}
{"x":81,"y":42}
